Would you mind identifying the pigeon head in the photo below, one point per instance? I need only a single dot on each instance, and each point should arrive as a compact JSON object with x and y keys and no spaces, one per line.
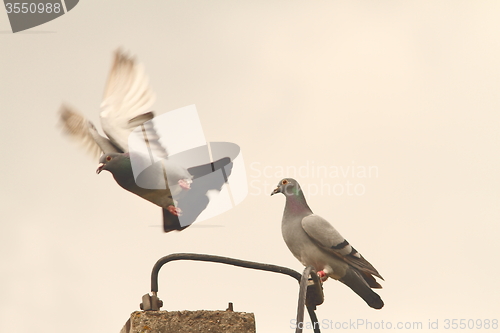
{"x":287,"y":186}
{"x":112,"y":162}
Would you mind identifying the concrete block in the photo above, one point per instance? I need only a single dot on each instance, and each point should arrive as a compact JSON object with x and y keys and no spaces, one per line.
{"x":201,"y":321}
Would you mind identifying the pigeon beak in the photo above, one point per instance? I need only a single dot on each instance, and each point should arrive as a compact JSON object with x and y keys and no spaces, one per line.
{"x":99,"y":168}
{"x":276,"y":190}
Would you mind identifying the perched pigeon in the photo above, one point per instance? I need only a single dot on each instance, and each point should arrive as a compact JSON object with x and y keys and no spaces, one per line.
{"x":125,"y":105}
{"x":314,"y":242}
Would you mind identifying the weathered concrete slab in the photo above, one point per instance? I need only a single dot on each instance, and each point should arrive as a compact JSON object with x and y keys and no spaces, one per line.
{"x":201,"y":321}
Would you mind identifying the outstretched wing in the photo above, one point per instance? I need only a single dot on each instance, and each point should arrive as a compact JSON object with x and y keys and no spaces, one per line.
{"x":325,"y":235}
{"x":79,"y":128}
{"x":127,"y":95}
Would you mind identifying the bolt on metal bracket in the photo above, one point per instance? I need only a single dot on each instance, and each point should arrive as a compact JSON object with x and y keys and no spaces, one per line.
{"x":151,"y":303}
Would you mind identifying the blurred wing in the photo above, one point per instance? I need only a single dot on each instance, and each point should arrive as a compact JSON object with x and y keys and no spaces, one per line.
{"x":79,"y":128}
{"x":127,"y":95}
{"x":147,"y":133}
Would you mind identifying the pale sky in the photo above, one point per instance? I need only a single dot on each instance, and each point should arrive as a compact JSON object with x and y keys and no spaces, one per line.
{"x":407,"y":91}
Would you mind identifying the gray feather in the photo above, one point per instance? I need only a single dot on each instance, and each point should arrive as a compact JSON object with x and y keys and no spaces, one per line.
{"x":315,"y":242}
{"x":125,"y":106}
{"x":357,"y":283}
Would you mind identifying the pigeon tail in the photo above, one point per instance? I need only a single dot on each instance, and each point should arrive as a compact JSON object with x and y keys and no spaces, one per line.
{"x":357,"y":283}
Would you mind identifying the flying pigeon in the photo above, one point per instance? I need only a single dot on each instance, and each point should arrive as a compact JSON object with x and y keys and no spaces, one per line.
{"x":315,"y":242}
{"x":127,"y":99}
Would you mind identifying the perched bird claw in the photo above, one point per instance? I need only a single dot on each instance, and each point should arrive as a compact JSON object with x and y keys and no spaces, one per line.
{"x":322,"y":276}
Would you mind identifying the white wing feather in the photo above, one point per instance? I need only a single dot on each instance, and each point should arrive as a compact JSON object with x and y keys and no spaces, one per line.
{"x":127,"y":95}
{"x":78,"y":128}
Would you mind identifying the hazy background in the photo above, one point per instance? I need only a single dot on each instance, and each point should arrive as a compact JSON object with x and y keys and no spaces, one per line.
{"x":411,"y":88}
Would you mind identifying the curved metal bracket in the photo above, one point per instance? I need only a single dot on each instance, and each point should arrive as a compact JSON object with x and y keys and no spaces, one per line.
{"x":310,"y":290}
{"x":310,"y":295}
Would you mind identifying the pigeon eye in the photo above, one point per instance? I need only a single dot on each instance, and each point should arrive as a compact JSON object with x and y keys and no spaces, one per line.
{"x":284,"y":182}
{"x":108,"y":158}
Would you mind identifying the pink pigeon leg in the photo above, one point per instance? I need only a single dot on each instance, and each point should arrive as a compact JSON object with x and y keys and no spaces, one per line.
{"x":184,"y":184}
{"x":174,"y":210}
{"x":322,"y":275}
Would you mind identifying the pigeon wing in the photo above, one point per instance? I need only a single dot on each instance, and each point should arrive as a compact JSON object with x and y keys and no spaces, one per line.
{"x":327,"y":237}
{"x":79,"y":128}
{"x":127,"y":95}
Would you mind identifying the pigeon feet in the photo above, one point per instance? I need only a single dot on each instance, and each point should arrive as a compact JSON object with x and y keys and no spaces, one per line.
{"x":322,"y":276}
{"x":184,"y":184}
{"x":174,"y":210}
